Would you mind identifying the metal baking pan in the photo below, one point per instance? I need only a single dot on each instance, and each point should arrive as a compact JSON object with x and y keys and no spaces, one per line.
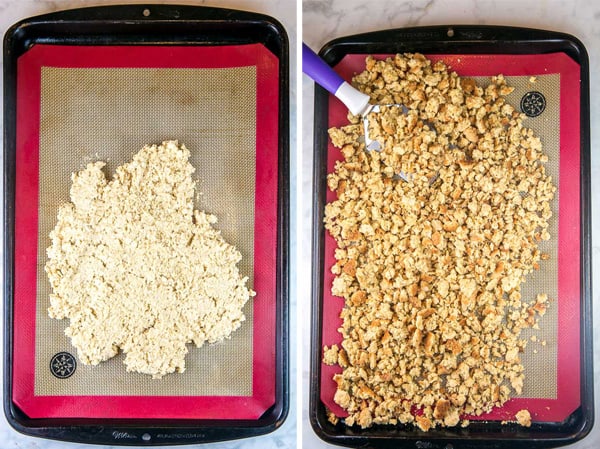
{"x":99,"y":83}
{"x":563,"y":414}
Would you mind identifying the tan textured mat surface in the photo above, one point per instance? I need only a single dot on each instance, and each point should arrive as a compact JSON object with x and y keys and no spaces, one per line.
{"x":108,"y":115}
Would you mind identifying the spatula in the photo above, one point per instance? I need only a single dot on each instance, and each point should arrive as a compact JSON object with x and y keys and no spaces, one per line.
{"x":356,"y":101}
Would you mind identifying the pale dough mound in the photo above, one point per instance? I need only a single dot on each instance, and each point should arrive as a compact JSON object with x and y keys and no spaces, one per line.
{"x":135,"y":267}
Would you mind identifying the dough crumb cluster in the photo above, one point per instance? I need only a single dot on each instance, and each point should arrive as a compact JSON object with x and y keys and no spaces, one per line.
{"x":430,"y":263}
{"x":135,"y":268}
{"x":523,"y":418}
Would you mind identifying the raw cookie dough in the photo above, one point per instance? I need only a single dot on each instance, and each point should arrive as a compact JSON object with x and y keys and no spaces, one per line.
{"x":134,"y":266}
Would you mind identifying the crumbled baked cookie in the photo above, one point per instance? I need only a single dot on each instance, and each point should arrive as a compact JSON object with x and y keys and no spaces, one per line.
{"x":135,"y":268}
{"x":523,"y":418}
{"x":330,"y":355}
{"x":431,"y":267}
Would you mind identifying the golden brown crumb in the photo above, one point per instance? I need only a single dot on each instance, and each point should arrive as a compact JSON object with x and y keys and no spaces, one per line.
{"x":442,"y":407}
{"x":330,"y":355}
{"x":431,"y":267}
{"x":342,"y":398}
{"x":332,"y":418}
{"x":523,"y":418}
{"x":423,"y":423}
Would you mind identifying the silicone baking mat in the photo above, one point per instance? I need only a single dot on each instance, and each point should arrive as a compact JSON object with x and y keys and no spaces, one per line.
{"x":551,"y":101}
{"x":81,"y":104}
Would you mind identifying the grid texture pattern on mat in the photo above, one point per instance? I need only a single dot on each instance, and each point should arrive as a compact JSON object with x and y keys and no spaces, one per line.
{"x":541,"y":367}
{"x":110,"y":114}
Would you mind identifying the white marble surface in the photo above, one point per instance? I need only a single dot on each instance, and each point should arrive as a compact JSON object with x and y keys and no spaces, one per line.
{"x":324,"y":20}
{"x":12,"y":11}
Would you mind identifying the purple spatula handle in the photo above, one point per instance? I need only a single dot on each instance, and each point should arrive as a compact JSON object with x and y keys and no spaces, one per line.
{"x":322,"y":74}
{"x":319,"y":71}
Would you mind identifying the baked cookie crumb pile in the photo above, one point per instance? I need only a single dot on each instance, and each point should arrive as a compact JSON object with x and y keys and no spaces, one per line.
{"x":135,"y":268}
{"x":430,"y":264}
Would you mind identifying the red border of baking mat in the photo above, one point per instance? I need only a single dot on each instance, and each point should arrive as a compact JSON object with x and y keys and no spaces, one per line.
{"x":265,"y":228}
{"x":568,"y":371}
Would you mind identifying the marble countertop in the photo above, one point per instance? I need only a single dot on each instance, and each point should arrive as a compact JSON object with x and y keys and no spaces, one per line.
{"x":325,"y":20}
{"x":12,"y":11}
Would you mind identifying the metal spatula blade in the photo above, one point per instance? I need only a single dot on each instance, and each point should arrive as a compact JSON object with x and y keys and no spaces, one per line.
{"x":356,"y":101}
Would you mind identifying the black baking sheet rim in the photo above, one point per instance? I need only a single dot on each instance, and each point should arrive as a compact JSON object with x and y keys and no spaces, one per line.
{"x":149,"y":25}
{"x":459,"y":39}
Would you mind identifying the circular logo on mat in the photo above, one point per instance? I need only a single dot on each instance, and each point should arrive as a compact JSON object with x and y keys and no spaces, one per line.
{"x":63,"y":365}
{"x":533,"y":103}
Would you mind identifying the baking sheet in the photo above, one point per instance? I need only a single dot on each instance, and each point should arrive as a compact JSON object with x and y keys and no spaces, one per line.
{"x":551,"y":389}
{"x":81,"y":104}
